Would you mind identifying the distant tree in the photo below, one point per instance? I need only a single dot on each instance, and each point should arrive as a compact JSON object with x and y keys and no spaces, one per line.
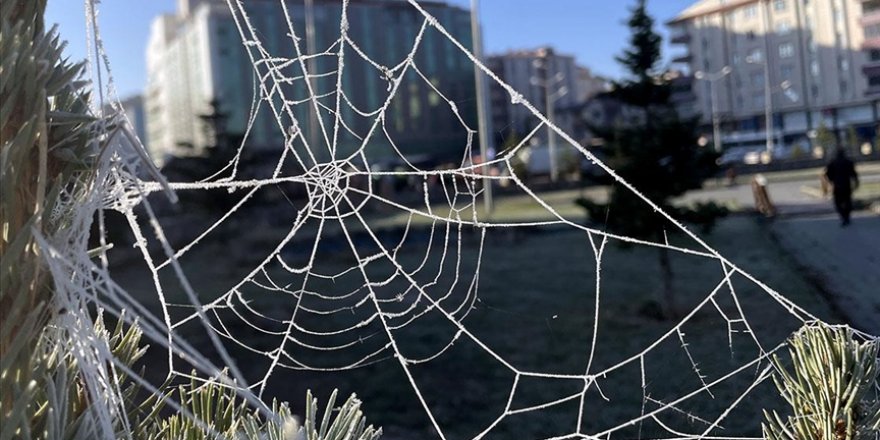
{"x":511,"y":140}
{"x":658,"y":154}
{"x":852,"y":139}
{"x":642,"y":89}
{"x":519,"y":166}
{"x":877,"y":139}
{"x":825,"y":139}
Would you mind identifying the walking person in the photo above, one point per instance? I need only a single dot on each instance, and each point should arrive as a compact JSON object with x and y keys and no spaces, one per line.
{"x":841,"y":172}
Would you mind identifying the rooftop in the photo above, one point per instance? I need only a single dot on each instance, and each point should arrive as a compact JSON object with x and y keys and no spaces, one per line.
{"x":704,"y":7}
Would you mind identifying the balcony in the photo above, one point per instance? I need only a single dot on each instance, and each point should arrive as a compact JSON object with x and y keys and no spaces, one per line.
{"x":683,"y":80}
{"x":872,"y":69}
{"x":680,"y":97}
{"x":870,"y":18}
{"x":682,"y":38}
{"x":684,"y":58}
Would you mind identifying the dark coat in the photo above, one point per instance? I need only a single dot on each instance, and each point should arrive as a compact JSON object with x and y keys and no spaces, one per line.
{"x":841,"y":172}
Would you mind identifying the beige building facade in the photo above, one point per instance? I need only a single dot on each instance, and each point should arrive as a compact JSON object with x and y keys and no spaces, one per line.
{"x":813,"y":60}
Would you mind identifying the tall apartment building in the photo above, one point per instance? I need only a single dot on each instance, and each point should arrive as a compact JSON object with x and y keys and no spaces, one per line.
{"x":817,"y":54}
{"x":590,"y":85}
{"x":195,"y":57}
{"x":528,"y":72}
{"x":870,"y":21}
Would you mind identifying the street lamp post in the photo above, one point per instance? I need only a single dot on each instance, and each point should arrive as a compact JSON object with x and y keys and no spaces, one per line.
{"x":713,"y":78}
{"x":550,"y":99}
{"x":480,"y":79}
{"x":311,"y":65}
{"x":768,"y":101}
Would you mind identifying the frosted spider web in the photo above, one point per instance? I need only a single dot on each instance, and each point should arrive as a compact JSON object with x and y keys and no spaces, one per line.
{"x":319,"y":313}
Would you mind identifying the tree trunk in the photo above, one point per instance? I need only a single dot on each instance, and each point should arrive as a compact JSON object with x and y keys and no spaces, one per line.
{"x":670,"y":307}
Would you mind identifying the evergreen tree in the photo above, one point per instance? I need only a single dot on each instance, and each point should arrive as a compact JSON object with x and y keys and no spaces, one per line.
{"x":642,"y":89}
{"x":825,"y":139}
{"x":852,"y":140}
{"x":655,"y":150}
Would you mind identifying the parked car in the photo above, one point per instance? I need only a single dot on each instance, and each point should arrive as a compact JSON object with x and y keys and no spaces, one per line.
{"x":739,"y":155}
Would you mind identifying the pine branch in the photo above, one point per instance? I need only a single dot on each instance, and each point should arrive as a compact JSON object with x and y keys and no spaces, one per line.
{"x":831,"y":387}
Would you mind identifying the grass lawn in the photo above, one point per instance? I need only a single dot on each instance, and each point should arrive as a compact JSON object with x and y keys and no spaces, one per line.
{"x":535,"y":309}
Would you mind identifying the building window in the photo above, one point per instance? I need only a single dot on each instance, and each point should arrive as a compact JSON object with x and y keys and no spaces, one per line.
{"x":786,"y":71}
{"x":783,"y":27}
{"x":755,"y":56}
{"x":814,"y":68}
{"x":757,"y":79}
{"x":786,"y":50}
{"x":758,"y":100}
{"x":750,"y":11}
{"x":779,"y":5}
{"x":737,"y":58}
{"x":843,"y":88}
{"x":729,"y":17}
{"x":874,"y":55}
{"x":874,"y":81}
{"x":843,"y":64}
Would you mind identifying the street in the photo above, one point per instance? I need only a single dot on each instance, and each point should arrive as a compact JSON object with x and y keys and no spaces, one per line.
{"x":792,"y":193}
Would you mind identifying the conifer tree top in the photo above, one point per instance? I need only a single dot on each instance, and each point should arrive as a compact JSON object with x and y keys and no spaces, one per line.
{"x":642,"y":56}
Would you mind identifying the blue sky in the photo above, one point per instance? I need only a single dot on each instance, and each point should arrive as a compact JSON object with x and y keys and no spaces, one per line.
{"x":592,"y":30}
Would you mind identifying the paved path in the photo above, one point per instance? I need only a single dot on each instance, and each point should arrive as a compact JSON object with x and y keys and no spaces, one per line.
{"x":789,"y":196}
{"x":846,"y":260}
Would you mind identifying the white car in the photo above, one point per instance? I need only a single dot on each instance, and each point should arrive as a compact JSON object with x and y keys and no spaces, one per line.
{"x":747,"y":155}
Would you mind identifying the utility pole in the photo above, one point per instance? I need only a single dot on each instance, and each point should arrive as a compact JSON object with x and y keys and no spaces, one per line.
{"x":768,"y":94}
{"x":768,"y":107}
{"x":768,"y":102}
{"x":480,"y":83}
{"x":548,"y":83}
{"x":551,"y":115}
{"x":714,"y":78}
{"x":311,"y":48}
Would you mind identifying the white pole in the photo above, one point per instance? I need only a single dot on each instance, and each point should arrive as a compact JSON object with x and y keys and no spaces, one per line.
{"x":311,"y":48}
{"x":549,"y":100}
{"x":716,"y":125}
{"x":768,"y":94}
{"x":768,"y":107}
{"x":713,"y":97}
{"x":480,"y":83}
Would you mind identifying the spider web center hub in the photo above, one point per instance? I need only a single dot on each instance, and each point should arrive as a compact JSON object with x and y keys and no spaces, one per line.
{"x":329,"y":188}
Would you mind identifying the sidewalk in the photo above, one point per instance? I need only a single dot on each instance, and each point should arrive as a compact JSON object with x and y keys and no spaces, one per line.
{"x":845,"y":260}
